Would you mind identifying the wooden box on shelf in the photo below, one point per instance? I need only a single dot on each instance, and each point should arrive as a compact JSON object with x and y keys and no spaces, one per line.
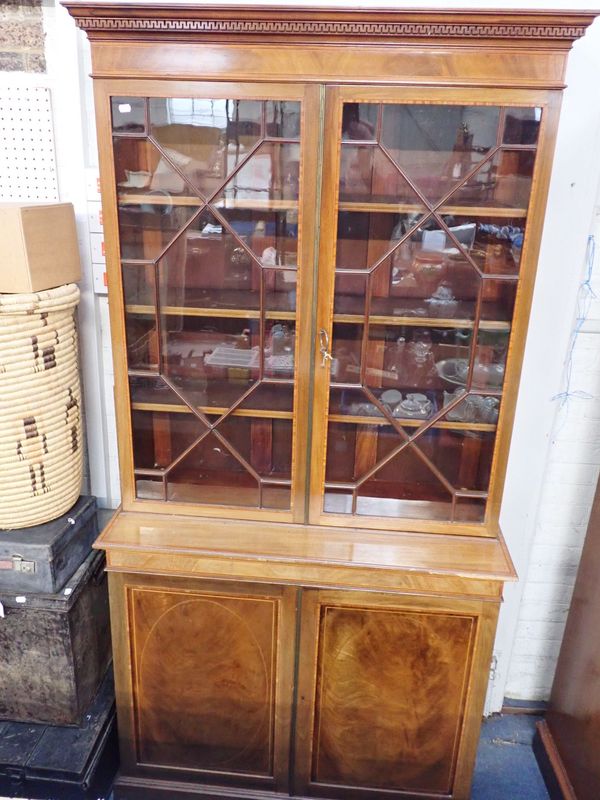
{"x":322,"y":229}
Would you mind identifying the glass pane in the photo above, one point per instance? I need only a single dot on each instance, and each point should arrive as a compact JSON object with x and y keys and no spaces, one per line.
{"x":270,"y":174}
{"x":479,"y":408}
{"x":367,"y":174}
{"x":213,"y":360}
{"x":363,"y":239}
{"x":265,"y":444}
{"x":341,"y":447}
{"x":492,"y":243}
{"x":463,"y":457}
{"x":437,"y":145}
{"x":207,"y":139}
{"x":149,"y":488}
{"x":346,"y":352}
{"x":522,"y":125}
{"x":270,"y":233}
{"x":279,"y":497}
{"x":260,"y":203}
{"x":139,"y":287}
{"x":208,"y":266}
{"x":359,"y":121}
{"x":349,"y":295}
{"x":282,"y":119}
{"x":160,"y":437}
{"x":277,"y":399}
{"x":497,"y":304}
{"x":163,"y":425}
{"x":504,"y":181}
{"x":153,"y":199}
{"x":490,"y":360}
{"x":352,"y":403}
{"x":405,"y":486}
{"x":414,"y":357}
{"x":279,"y":349}
{"x":128,"y":114}
{"x":280,"y":291}
{"x":337,"y":501}
{"x":142,"y":341}
{"x":210,"y":473}
{"x":470,"y":509}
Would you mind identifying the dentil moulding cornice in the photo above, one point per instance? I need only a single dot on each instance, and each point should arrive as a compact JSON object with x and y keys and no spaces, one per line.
{"x":151,"y":21}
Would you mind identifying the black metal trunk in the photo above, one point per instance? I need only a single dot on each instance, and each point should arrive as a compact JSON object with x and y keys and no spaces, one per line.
{"x":55,"y":648}
{"x":43,"y":558}
{"x":39,"y":761}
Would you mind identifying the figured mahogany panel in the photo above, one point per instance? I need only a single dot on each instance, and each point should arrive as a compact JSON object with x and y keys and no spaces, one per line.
{"x":204,"y":668}
{"x":390,"y":697}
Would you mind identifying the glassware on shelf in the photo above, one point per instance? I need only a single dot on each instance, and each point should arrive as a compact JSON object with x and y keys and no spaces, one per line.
{"x":473,"y":408}
{"x":291,"y":181}
{"x":453,"y":370}
{"x":442,"y":302}
{"x":269,"y":257}
{"x":279,"y":353}
{"x":398,"y":358}
{"x":240,"y":275}
{"x":391,"y":398}
{"x":402,"y":273}
{"x":420,"y":368}
{"x":456,"y":370}
{"x":414,"y":406}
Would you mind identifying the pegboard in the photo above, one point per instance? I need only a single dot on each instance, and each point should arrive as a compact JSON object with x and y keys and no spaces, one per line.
{"x":27,"y":158}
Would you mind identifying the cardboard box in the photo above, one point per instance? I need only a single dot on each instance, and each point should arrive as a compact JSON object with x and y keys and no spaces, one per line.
{"x":38,"y":246}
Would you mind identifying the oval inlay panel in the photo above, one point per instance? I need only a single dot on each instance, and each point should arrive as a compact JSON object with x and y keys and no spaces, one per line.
{"x":204,"y":696}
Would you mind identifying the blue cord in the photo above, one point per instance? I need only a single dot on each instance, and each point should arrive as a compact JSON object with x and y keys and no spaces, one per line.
{"x":585,"y":295}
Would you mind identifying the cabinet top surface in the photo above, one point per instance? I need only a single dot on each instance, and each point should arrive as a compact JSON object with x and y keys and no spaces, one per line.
{"x":463,"y":556}
{"x":550,"y":28}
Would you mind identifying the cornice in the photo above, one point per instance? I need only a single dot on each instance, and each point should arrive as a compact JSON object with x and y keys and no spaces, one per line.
{"x":160,"y":21}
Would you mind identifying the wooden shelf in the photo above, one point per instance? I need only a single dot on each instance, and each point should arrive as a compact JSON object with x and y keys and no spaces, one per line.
{"x":226,"y":313}
{"x":158,"y":199}
{"x":274,"y":204}
{"x":173,"y":408}
{"x":413,"y":423}
{"x":355,"y":319}
{"x":389,"y":311}
{"x":429,"y":322}
{"x":263,"y":413}
{"x":457,"y":211}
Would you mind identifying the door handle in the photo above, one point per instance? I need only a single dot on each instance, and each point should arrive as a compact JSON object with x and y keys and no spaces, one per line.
{"x":324,"y":347}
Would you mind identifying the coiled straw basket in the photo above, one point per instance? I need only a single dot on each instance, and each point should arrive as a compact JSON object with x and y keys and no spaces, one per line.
{"x":40,"y":407}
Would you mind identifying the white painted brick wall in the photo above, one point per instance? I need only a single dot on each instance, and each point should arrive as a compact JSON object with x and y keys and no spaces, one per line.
{"x":572,"y":468}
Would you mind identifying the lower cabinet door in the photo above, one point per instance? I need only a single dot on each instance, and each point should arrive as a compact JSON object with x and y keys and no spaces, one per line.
{"x":390,"y":693}
{"x":204,"y":674}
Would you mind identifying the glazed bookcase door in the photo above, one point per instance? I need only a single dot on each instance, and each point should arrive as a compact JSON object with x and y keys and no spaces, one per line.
{"x":423,"y":283}
{"x":209,"y":184}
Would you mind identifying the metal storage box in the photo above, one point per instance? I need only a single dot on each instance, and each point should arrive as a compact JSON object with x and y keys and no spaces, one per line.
{"x":55,"y":648}
{"x":43,"y":558}
{"x":74,"y":763}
